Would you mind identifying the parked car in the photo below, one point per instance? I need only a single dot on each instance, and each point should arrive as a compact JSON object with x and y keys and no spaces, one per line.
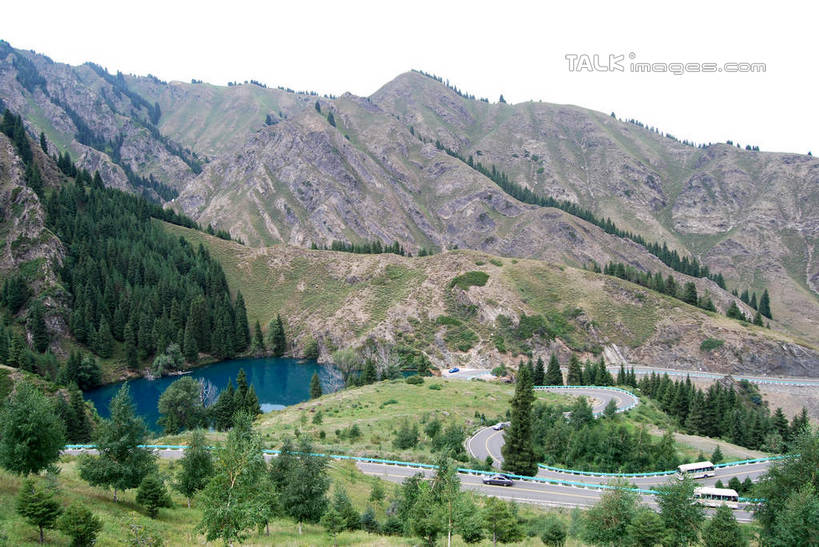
{"x":498,"y":480}
{"x":453,"y":370}
{"x":500,"y":425}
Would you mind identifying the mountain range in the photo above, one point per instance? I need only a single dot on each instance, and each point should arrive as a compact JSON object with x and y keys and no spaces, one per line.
{"x":422,"y":163}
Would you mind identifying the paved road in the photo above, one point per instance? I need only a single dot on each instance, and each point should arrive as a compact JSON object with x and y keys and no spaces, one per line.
{"x":488,"y":442}
{"x":537,"y":493}
{"x":787,"y":381}
{"x":554,"y":495}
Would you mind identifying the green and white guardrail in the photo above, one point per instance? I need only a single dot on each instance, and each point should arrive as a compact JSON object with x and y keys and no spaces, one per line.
{"x":426,"y":466}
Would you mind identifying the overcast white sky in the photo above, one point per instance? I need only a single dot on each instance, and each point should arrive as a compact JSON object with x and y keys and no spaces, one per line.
{"x":486,"y":48}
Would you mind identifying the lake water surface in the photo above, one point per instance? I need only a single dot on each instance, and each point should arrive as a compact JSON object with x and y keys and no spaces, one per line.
{"x":278,"y":383}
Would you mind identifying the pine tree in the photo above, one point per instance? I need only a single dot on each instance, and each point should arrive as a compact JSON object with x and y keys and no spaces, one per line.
{"x":758,"y":319}
{"x":31,"y":433}
{"x":131,"y":357}
{"x":575,"y":375}
{"x":153,"y":495}
{"x":43,"y":143}
{"x":753,"y":302}
{"x":765,"y":305}
{"x":258,"y":338}
{"x":717,"y":456}
{"x":723,"y":530}
{"x":518,"y":450}
{"x":104,"y":343}
{"x":80,"y":524}
{"x":122,"y":463}
{"x":315,"y":387}
{"x":252,"y":406}
{"x":277,"y":340}
{"x":554,"y":377}
{"x":80,"y":428}
{"x":690,"y":293}
{"x":734,"y":312}
{"x":225,"y":407}
{"x":369,"y":374}
{"x":242,"y":337}
{"x":35,"y":503}
{"x":37,"y":327}
{"x":539,"y":376}
{"x":190,"y":347}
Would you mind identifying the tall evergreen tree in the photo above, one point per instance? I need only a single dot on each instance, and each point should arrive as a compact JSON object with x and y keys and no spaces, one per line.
{"x":37,"y":327}
{"x":80,"y":429}
{"x":258,"y":337}
{"x":540,"y":375}
{"x":242,"y":337}
{"x":315,"y":387}
{"x":554,"y":377}
{"x":121,"y":463}
{"x":31,"y":433}
{"x":518,"y":450}
{"x":575,"y":375}
{"x":765,"y":305}
{"x":225,"y":407}
{"x":35,"y":503}
{"x":153,"y":495}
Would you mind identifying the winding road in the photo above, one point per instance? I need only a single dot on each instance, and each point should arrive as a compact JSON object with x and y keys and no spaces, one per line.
{"x":584,"y":490}
{"x":489,"y":442}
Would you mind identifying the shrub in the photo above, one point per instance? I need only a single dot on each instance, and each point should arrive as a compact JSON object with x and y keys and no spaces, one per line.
{"x":447,"y":320}
{"x":436,"y":387}
{"x":412,"y":380}
{"x":496,"y":262}
{"x":464,"y":281}
{"x":710,"y":344}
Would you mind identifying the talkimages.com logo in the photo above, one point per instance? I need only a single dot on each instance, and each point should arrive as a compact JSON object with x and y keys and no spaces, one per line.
{"x":584,"y":62}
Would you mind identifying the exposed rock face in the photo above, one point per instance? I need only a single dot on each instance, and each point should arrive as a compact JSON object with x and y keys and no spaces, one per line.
{"x":387,"y":301}
{"x":275,"y":170}
{"x":27,"y":245}
{"x":79,"y":110}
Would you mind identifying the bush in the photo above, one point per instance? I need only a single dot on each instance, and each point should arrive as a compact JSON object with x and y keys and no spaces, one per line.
{"x":406,"y":437}
{"x":392,"y":526}
{"x":711,"y":343}
{"x":447,"y":320}
{"x":80,"y":524}
{"x":413,"y":380}
{"x":499,"y":371}
{"x":469,"y":279}
{"x":435,"y":387}
{"x":496,"y":262}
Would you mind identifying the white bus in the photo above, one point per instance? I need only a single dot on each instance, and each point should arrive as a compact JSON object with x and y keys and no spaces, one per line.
{"x":698,"y":470}
{"x":714,"y":497}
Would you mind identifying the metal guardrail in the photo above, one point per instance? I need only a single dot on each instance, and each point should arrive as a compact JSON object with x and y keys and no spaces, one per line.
{"x":655,"y":473}
{"x":465,"y":470}
{"x":602,"y":388}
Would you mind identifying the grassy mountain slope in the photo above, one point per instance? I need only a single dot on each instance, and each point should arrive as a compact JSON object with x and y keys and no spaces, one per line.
{"x":346,"y":300}
{"x":751,"y":215}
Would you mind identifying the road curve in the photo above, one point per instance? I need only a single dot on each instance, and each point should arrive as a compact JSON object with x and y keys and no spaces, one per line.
{"x":532,"y":492}
{"x":537,"y":493}
{"x":488,"y":442}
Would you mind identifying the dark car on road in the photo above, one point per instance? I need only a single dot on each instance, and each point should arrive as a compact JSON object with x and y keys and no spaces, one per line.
{"x":498,"y":480}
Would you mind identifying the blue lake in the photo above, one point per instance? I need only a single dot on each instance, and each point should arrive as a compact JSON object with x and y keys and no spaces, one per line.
{"x":278,"y":382}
